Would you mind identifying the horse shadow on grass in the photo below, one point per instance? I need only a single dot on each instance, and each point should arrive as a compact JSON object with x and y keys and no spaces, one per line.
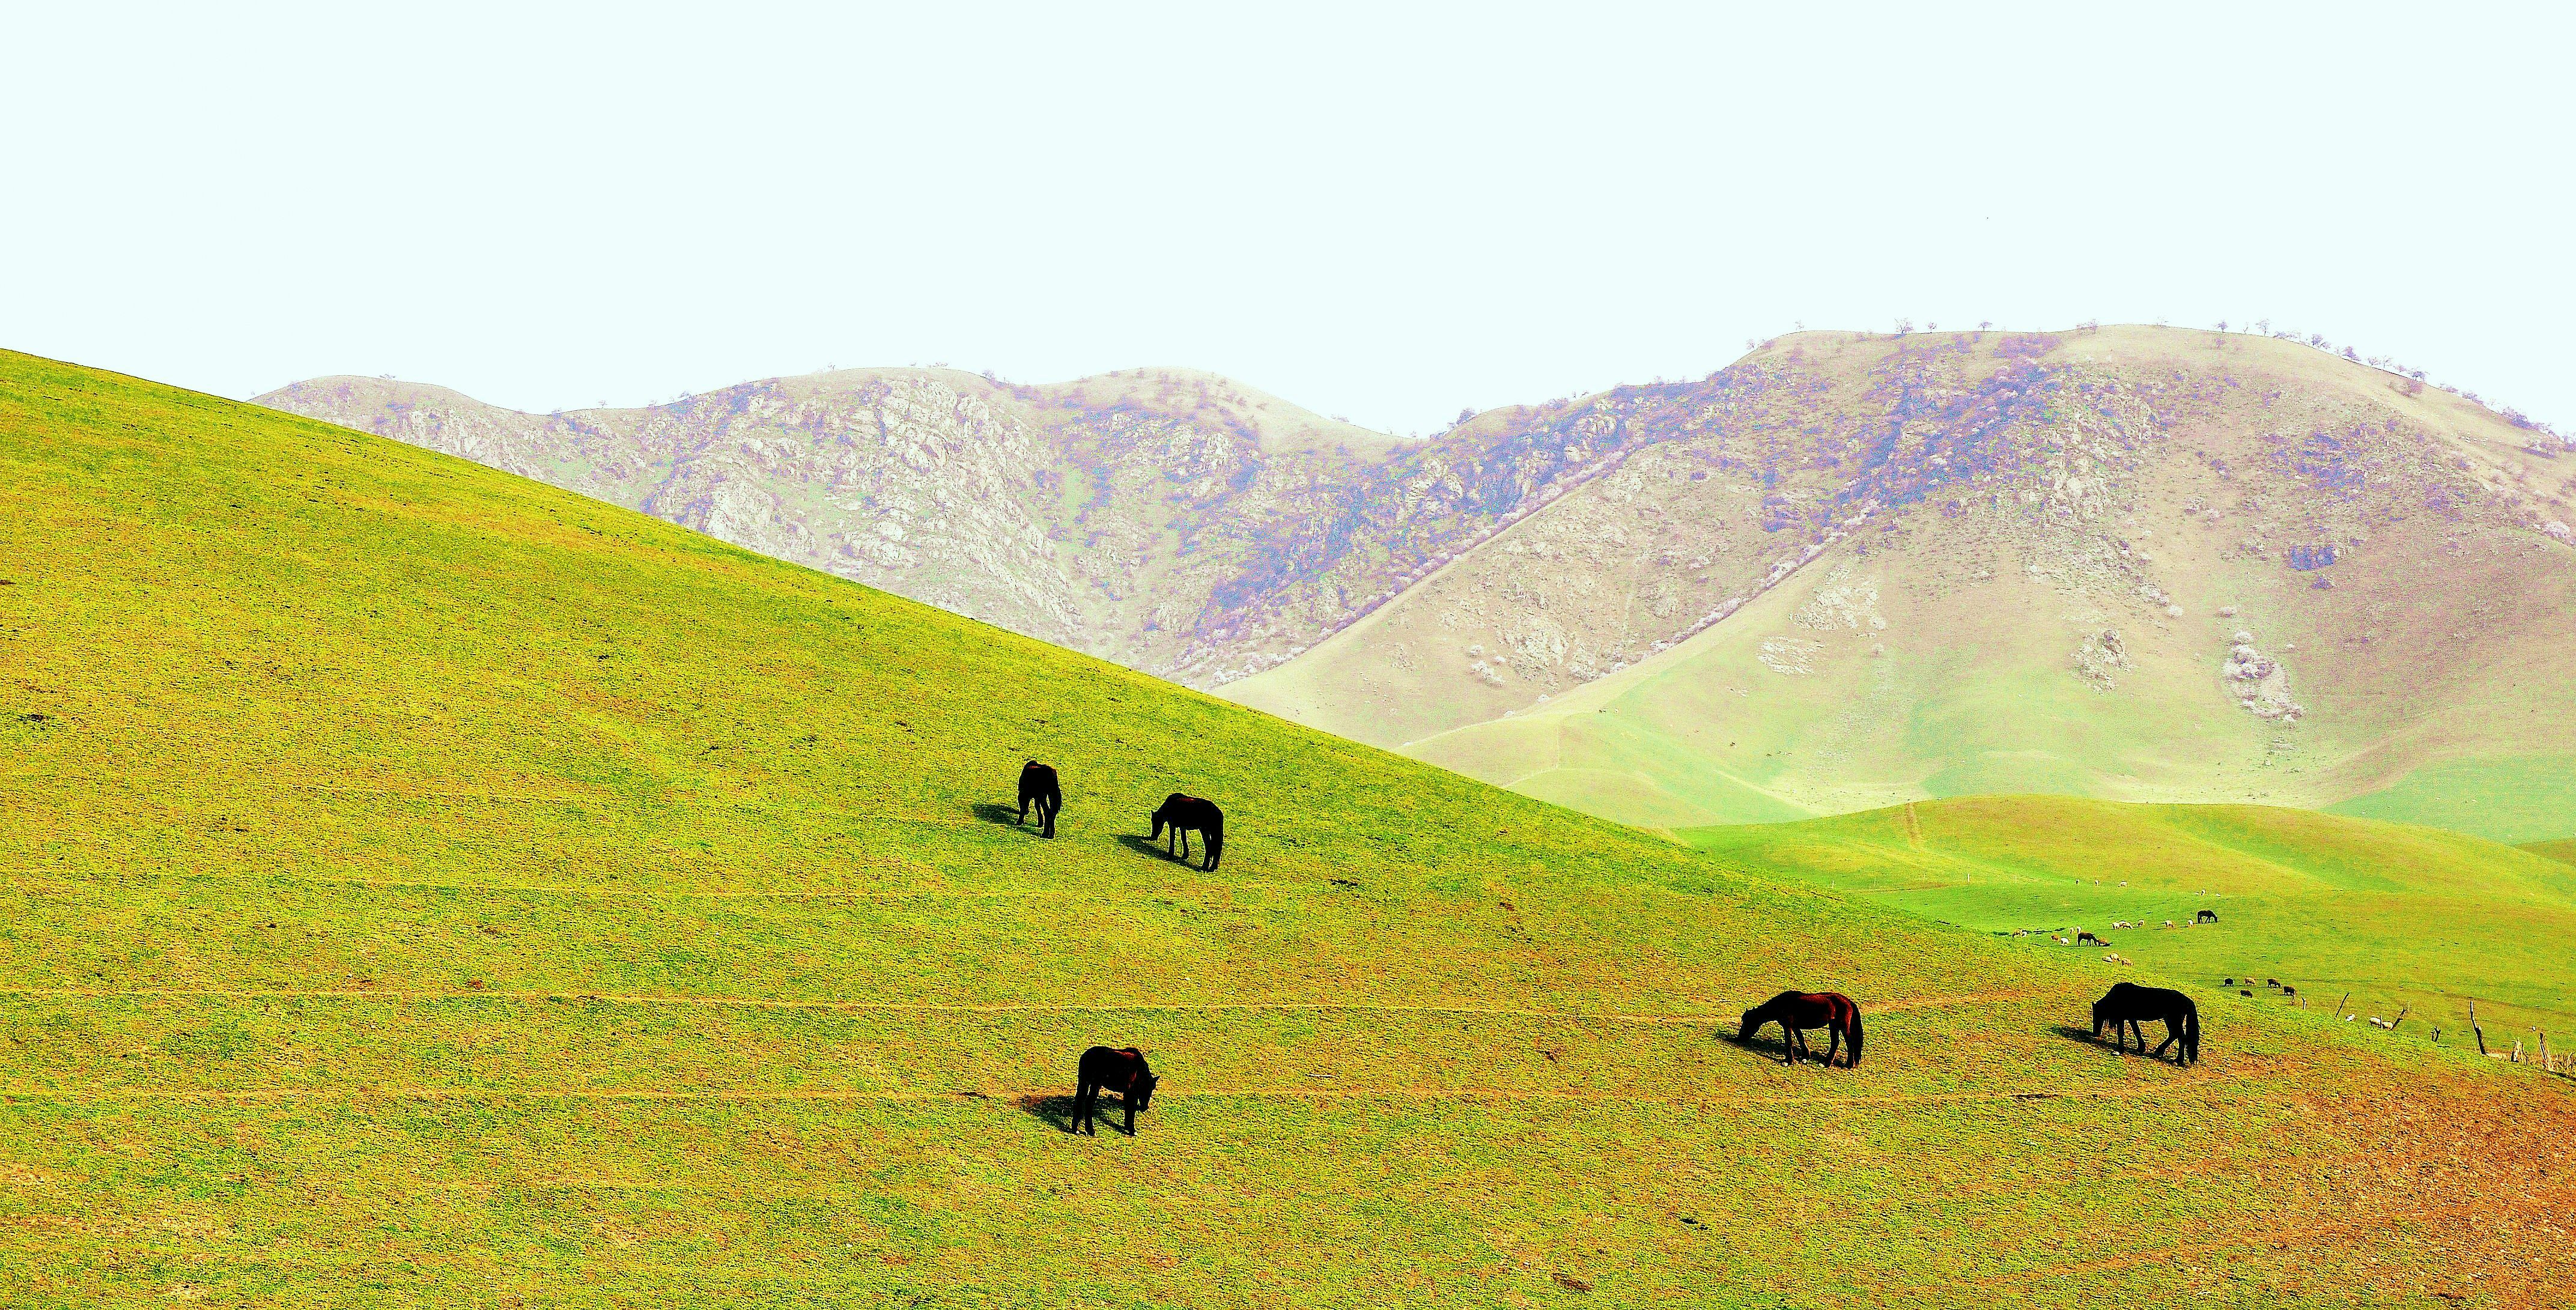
{"x":2079,"y":1033}
{"x":1150,"y":846}
{"x":1006,"y":815}
{"x":1777,"y":1051}
{"x":1055,"y":1110}
{"x":2083,"y":1035}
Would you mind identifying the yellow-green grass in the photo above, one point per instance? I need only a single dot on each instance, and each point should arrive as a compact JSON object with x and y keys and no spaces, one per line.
{"x":2395,"y":916}
{"x":421,"y":887}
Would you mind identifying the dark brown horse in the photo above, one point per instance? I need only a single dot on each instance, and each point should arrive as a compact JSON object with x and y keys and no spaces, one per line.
{"x":1123,"y":1071}
{"x":1797,"y":1012}
{"x":1038,"y":787}
{"x":2128,"y":1008}
{"x":1185,"y":815}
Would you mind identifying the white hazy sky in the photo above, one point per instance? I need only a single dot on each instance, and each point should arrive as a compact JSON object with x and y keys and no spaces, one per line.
{"x":1380,"y":211}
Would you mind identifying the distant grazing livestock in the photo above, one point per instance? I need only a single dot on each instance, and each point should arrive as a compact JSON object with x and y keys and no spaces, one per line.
{"x":1125,"y":1072}
{"x":2243,"y":991}
{"x":2289,"y":991}
{"x":2206,"y":916}
{"x":1038,"y":787}
{"x":1797,"y":1012}
{"x":2127,"y":1007}
{"x":2083,"y":937}
{"x":1185,"y":815}
{"x":2271,"y":982}
{"x":2229,"y":982}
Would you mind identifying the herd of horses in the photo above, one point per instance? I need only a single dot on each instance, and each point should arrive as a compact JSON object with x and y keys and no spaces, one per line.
{"x":1178,"y":815}
{"x":2124,"y":1010}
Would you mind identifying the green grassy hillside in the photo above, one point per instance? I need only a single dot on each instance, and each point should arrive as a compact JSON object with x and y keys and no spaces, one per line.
{"x":2564,"y":851}
{"x":2396,"y":916}
{"x":422,"y":887}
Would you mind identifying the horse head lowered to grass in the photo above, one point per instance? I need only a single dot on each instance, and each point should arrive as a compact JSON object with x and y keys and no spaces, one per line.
{"x":2128,"y":1007}
{"x":1799,"y":1012}
{"x":1184,"y":815}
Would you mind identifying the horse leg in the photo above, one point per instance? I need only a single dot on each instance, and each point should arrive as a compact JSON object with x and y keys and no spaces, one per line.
{"x":2172,"y":1030}
{"x":1085,"y":1099}
{"x":1129,"y":1100}
{"x":1833,"y":1042}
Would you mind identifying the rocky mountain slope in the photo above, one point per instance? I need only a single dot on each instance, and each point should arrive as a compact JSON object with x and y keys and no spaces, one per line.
{"x":2137,"y":562}
{"x":1173,"y":521}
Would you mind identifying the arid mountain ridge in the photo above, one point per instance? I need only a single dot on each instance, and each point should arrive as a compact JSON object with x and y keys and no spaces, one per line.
{"x":1173,"y":521}
{"x":1189,"y":526}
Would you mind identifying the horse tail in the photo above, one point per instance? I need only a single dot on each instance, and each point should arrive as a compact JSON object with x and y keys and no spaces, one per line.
{"x":1854,"y":1062}
{"x":2190,"y":1031}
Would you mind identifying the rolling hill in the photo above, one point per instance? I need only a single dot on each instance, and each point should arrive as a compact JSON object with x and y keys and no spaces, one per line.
{"x":2405,"y":920}
{"x":2137,"y":564}
{"x":427,"y":887}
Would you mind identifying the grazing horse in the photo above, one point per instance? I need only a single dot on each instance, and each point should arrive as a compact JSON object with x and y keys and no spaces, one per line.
{"x":1123,"y":1071}
{"x":1185,"y":815}
{"x":1038,"y":787}
{"x":1796,"y":1012}
{"x":2127,"y":1007}
{"x":2083,"y":937}
{"x":2206,"y":916}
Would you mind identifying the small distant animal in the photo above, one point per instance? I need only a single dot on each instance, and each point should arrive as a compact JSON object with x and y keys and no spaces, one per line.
{"x":2206,"y":916}
{"x":2229,"y":981}
{"x":1798,"y":1012}
{"x":2244,"y":991}
{"x":2271,"y":982}
{"x":2083,"y":937}
{"x":2128,"y":1007}
{"x":2168,"y":923}
{"x":2289,"y":991}
{"x":2061,"y":941}
{"x":1125,"y":1072}
{"x":1038,"y":787}
{"x":1185,"y":815}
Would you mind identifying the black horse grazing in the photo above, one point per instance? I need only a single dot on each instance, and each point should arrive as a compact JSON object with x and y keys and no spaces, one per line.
{"x":1122,"y":1071}
{"x":2205,"y":916}
{"x":1185,"y":815}
{"x":2128,"y":1007}
{"x":1038,"y":788}
{"x":1796,"y":1012}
